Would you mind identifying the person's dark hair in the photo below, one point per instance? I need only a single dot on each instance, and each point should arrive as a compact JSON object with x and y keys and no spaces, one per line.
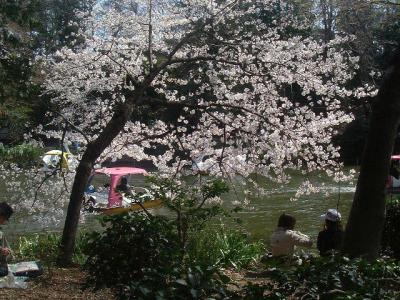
{"x":124,"y":181}
{"x":286,"y":221}
{"x":6,"y":210}
{"x":333,"y":225}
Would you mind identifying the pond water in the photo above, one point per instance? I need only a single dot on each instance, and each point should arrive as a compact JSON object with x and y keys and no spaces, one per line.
{"x":260,"y":218}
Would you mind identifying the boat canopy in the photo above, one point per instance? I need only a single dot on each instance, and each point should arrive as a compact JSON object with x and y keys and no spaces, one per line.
{"x":114,"y":198}
{"x":121,"y":171}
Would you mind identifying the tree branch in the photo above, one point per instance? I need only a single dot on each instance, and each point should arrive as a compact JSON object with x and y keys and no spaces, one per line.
{"x":77,"y":129}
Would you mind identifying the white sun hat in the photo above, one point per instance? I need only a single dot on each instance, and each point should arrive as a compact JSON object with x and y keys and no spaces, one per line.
{"x":332,"y":215}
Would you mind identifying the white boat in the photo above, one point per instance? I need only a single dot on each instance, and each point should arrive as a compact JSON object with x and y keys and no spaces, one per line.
{"x":56,"y":159}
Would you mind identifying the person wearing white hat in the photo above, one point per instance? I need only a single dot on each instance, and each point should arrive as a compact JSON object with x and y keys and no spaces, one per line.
{"x":330,"y":239}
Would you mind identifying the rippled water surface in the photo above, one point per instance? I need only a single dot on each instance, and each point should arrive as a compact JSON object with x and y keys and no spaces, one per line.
{"x":260,"y":221}
{"x":260,"y":218}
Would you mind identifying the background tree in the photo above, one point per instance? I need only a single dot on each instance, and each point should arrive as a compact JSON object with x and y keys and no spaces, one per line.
{"x":376,"y":31}
{"x":364,"y":227}
{"x":375,"y":26}
{"x":29,"y":28}
{"x":18,"y":94}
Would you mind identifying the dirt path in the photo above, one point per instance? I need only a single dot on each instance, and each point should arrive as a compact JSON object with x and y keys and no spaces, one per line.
{"x":62,"y":284}
{"x":67,"y":284}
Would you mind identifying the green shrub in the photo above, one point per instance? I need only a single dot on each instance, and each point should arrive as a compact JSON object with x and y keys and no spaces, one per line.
{"x":131,"y":247}
{"x":153,"y":257}
{"x":221,"y":247}
{"x":45,"y":247}
{"x":24,"y":155}
{"x":188,"y":204}
{"x":183,"y":283}
{"x":140,"y":258}
{"x":334,"y":278}
{"x":390,"y":235}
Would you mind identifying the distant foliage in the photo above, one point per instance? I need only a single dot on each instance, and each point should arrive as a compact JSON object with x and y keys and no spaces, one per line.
{"x":28,"y":29}
{"x":391,"y":231}
{"x":24,"y":155}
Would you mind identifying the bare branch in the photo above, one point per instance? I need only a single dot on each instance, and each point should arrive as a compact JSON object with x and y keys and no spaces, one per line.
{"x":77,"y":129}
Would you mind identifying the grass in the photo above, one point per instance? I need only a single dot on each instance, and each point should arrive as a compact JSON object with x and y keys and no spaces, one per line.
{"x":45,"y":247}
{"x":226,"y":248}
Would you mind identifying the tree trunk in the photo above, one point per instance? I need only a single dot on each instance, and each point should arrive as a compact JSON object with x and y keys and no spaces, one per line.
{"x":367,"y":215}
{"x":92,"y":152}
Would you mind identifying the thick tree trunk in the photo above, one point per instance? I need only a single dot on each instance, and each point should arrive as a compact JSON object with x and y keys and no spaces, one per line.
{"x":92,"y":152}
{"x":94,"y":149}
{"x":367,"y":215}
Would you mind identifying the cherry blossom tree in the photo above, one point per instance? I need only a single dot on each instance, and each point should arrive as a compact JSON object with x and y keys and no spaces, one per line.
{"x":170,"y":81}
{"x":39,"y":200}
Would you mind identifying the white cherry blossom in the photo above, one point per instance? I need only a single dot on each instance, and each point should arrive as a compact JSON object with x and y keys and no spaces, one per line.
{"x":220,"y":82}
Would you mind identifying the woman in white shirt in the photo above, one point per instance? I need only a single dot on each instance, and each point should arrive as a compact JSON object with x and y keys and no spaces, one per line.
{"x":284,"y":239}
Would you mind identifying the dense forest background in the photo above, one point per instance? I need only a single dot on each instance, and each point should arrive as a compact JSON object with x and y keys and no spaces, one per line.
{"x":30,"y":29}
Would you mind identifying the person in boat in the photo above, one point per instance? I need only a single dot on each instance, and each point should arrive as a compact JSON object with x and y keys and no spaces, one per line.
{"x":123,"y":187}
{"x":394,"y":169}
{"x":285,"y":239}
{"x":330,"y":238}
{"x":5,"y":252}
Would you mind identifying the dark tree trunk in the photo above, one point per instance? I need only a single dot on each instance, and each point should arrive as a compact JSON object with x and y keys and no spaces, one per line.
{"x":92,"y":152}
{"x":94,"y":149}
{"x":367,"y":215}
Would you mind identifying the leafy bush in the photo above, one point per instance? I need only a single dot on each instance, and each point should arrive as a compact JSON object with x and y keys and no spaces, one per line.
{"x":132,"y":247}
{"x":24,"y":155}
{"x":193,"y":206}
{"x":221,"y":247}
{"x":45,"y":247}
{"x":140,"y":257}
{"x":153,"y":257}
{"x":184,"y":283}
{"x":334,"y":278}
{"x":391,"y":236}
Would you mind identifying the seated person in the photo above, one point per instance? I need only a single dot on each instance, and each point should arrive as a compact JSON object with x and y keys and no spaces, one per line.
{"x":5,"y":252}
{"x":394,"y":169}
{"x":124,"y":190}
{"x":284,"y":239}
{"x":330,"y":239}
{"x":123,"y":186}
